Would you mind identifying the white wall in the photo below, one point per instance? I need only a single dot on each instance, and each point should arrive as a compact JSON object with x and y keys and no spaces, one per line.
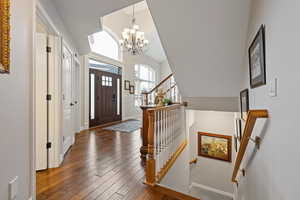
{"x":165,"y":69}
{"x":209,"y":172}
{"x":177,"y":177}
{"x":116,"y":22}
{"x":272,"y":173}
{"x":16,"y":89}
{"x":52,"y":12}
{"x":204,"y":42}
{"x":129,"y":110}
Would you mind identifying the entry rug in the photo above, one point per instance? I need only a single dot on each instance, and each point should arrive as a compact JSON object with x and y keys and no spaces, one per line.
{"x":128,"y":126}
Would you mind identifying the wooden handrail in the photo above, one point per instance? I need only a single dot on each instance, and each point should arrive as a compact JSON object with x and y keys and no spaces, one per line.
{"x":158,"y":85}
{"x":157,"y":169}
{"x":171,"y":162}
{"x":252,"y":116}
{"x":170,"y":107}
{"x":168,"y":90}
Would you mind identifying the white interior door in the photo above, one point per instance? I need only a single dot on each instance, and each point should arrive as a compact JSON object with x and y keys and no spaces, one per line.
{"x":68,"y":128}
{"x":41,"y":88}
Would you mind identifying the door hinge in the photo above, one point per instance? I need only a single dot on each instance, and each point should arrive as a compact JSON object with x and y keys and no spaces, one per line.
{"x":49,"y":97}
{"x":49,"y":145}
{"x":49,"y":49}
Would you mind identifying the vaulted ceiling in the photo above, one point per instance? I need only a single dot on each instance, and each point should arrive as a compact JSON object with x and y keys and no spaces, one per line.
{"x":204,"y":40}
{"x":121,"y":19}
{"x":205,"y":43}
{"x":82,"y":17}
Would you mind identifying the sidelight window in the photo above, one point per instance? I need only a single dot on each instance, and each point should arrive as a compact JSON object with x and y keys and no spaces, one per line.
{"x":92,"y":99}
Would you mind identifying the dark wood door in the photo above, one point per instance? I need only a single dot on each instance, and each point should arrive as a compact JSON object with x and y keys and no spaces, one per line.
{"x":107,"y":97}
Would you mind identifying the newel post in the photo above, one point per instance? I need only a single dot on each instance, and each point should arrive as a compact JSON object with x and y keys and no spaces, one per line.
{"x":145,"y":99}
{"x":150,"y":165}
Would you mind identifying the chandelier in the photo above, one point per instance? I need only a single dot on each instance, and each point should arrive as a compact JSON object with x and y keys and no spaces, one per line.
{"x":133,"y":40}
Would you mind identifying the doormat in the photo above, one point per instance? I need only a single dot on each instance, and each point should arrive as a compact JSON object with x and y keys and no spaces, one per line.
{"x":128,"y":126}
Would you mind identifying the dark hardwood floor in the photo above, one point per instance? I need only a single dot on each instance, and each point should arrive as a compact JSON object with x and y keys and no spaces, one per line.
{"x":100,"y":165}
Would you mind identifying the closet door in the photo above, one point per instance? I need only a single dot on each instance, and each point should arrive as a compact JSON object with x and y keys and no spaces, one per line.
{"x":68,"y":128}
{"x":41,"y":89}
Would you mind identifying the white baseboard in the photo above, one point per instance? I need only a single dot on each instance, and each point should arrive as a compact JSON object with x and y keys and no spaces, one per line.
{"x":67,"y":144}
{"x":86,"y":125}
{"x":211,"y":189}
{"x":61,"y":159}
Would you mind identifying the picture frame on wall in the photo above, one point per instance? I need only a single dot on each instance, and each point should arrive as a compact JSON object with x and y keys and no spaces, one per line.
{"x":5,"y":36}
{"x":215,"y":146}
{"x":132,"y":89}
{"x":238,"y":126}
{"x":244,"y":103}
{"x":235,"y":143}
{"x":257,"y":59}
{"x":127,"y":85}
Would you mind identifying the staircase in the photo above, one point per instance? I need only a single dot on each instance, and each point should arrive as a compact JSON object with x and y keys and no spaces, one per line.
{"x":164,"y":137}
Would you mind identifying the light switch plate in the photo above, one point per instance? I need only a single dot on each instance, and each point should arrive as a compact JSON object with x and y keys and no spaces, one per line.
{"x":13,"y":188}
{"x":273,"y":88}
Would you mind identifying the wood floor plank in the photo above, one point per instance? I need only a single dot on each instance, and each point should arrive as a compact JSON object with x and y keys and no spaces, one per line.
{"x":102,"y":165}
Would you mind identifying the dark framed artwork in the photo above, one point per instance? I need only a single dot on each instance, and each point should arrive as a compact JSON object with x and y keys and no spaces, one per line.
{"x":127,"y":85}
{"x":4,"y":36}
{"x":244,"y":101}
{"x":235,"y":143}
{"x":214,"y":146}
{"x":132,"y":89}
{"x":238,"y":125}
{"x":257,"y":59}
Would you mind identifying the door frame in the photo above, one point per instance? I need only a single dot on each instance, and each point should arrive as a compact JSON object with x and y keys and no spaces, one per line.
{"x":86,"y":74}
{"x":116,"y":79}
{"x":72,"y":140}
{"x":54,"y":87}
{"x":40,"y":13}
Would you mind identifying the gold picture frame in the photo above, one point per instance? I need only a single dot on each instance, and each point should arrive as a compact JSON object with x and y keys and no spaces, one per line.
{"x":214,"y":146}
{"x":4,"y":36}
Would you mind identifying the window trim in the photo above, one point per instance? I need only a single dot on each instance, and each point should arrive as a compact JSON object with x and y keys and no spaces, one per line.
{"x":139,"y":80}
{"x":116,"y":39}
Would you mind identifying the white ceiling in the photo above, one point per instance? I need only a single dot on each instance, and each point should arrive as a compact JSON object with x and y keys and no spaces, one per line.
{"x":115,"y":21}
{"x":82,"y":18}
{"x":205,"y":43}
{"x":204,"y":40}
{"x":139,"y":7}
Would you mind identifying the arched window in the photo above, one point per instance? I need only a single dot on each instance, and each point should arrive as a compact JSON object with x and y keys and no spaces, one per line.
{"x":104,"y":44}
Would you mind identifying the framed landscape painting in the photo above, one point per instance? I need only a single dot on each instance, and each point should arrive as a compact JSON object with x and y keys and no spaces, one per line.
{"x":257,"y":59}
{"x":214,"y":146}
{"x":4,"y":36}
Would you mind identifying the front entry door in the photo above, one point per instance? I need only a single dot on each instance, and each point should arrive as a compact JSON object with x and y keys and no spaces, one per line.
{"x":105,"y":94}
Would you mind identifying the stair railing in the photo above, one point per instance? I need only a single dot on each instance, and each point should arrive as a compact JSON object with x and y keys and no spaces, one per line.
{"x":252,"y":116}
{"x":170,"y":89}
{"x":166,"y":140}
